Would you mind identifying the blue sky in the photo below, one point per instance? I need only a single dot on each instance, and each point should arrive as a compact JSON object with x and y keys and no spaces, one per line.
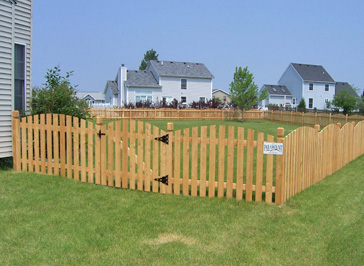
{"x":93,"y":38}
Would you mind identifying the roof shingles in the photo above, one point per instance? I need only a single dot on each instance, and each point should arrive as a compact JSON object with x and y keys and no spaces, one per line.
{"x":315,"y":73}
{"x":181,"y":69}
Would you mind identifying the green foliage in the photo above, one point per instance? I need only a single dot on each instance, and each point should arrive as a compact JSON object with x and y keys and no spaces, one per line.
{"x":360,"y":105}
{"x":345,"y":100}
{"x":302,"y":104}
{"x":243,"y":90}
{"x":149,"y":55}
{"x":58,"y":96}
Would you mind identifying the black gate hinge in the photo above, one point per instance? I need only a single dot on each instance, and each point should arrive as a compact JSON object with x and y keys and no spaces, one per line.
{"x":164,"y":139}
{"x":100,"y":134}
{"x":163,"y":179}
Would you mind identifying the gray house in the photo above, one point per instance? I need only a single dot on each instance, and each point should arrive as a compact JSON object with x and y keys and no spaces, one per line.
{"x":311,"y":82}
{"x":277,"y":94}
{"x":162,"y":80}
{"x":15,"y":65}
{"x":92,"y":98}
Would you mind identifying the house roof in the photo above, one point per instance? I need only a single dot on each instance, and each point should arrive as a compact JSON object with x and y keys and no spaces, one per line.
{"x":113,"y":87}
{"x":345,"y":86}
{"x":141,"y":78}
{"x":97,"y":96}
{"x":314,"y":73}
{"x":277,"y":89}
{"x":181,"y":69}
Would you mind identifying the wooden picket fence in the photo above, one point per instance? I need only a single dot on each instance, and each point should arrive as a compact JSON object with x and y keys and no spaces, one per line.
{"x":202,"y":161}
{"x":311,"y":155}
{"x":175,"y":114}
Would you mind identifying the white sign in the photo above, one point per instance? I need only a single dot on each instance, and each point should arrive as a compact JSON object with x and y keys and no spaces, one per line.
{"x":273,"y":148}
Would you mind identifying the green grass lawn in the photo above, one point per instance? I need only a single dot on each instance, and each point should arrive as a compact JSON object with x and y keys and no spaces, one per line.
{"x":265,"y":126}
{"x":46,"y":220}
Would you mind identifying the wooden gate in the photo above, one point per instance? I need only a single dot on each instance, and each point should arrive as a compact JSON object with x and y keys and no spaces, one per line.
{"x":123,"y":154}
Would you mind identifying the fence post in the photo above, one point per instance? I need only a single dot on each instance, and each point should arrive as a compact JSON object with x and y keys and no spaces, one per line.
{"x":330,"y":119}
{"x":105,"y":112}
{"x":339,"y":125}
{"x":271,"y":116}
{"x":170,"y":156}
{"x":291,"y":117}
{"x":280,"y":182}
{"x":346,"y":118}
{"x":16,"y":141}
{"x":303,"y":118}
{"x":317,"y":127}
{"x":315,"y":118}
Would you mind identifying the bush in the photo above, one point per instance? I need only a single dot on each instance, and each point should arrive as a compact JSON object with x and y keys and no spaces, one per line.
{"x":58,"y":96}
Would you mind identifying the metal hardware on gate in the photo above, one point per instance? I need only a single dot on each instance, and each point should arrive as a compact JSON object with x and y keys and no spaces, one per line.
{"x":100,"y":134}
{"x":164,"y":139}
{"x":163,"y":179}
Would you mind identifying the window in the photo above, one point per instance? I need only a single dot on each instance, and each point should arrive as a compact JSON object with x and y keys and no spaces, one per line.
{"x":326,"y":87}
{"x":224,"y":98}
{"x":294,"y":101}
{"x":167,"y":99}
{"x":19,"y":77}
{"x":203,"y":99}
{"x":311,"y":87}
{"x":143,"y":96}
{"x":310,"y":103}
{"x":183,"y":84}
{"x":184,"y":99}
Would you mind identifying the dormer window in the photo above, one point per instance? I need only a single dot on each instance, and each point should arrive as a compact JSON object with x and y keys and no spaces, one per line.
{"x":183,"y":84}
{"x":311,"y":87}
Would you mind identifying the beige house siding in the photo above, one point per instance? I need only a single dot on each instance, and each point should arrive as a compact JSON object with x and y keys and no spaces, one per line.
{"x":223,"y":96}
{"x":15,"y":28}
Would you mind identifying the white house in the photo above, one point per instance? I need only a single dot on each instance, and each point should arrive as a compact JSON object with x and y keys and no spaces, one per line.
{"x":277,"y":94}
{"x":92,"y":98}
{"x":162,"y":80}
{"x":311,"y":82}
{"x":15,"y":65}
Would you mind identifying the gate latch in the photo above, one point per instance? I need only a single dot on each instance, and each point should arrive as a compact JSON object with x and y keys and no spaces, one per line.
{"x":163,"y":179}
{"x":100,"y":134}
{"x":164,"y":139}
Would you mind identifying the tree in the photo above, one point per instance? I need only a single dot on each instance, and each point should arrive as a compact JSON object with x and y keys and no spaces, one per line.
{"x":302,"y":105}
{"x":243,"y":91}
{"x":345,"y":100}
{"x":149,"y":55}
{"x":58,"y":96}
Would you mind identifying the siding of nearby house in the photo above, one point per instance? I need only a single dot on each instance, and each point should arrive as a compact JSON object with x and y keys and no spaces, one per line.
{"x":15,"y":28}
{"x":196,"y":88}
{"x":223,"y":96}
{"x":293,"y":82}
{"x":318,"y":94}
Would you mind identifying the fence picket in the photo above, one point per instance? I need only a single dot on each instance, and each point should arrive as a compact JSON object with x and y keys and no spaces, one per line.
{"x":249,"y":166}
{"x":186,"y":161}
{"x":117,"y":154}
{"x":269,"y":174}
{"x":90,"y":152}
{"x":221,"y":164}
{"x":212,"y":160}
{"x":240,"y":164}
{"x":177,"y":162}
{"x":259,"y":167}
{"x":203,"y":161}
{"x":42,"y":144}
{"x":230,"y":163}
{"x":194,"y":159}
{"x":36,"y":143}
{"x":56,"y":130}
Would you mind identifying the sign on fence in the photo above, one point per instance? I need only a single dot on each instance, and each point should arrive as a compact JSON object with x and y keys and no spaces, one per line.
{"x":273,"y":148}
